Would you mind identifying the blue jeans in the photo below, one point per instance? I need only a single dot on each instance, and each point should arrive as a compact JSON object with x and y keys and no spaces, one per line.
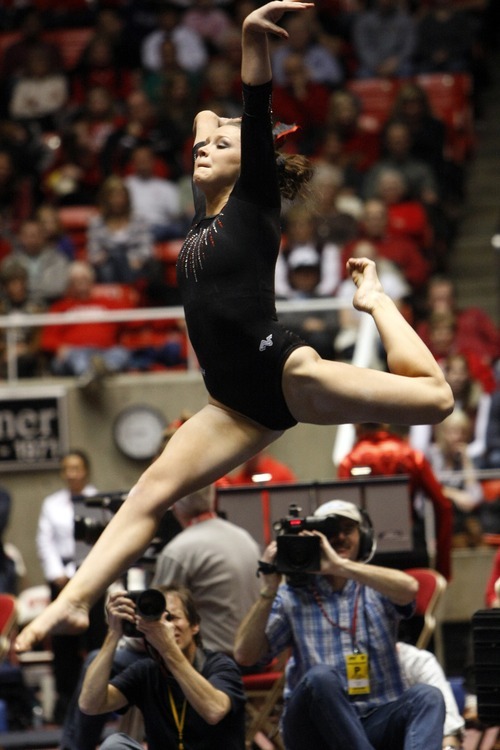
{"x":120,"y":741}
{"x":319,"y":714}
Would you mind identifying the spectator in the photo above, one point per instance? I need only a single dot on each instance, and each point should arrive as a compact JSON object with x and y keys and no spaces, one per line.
{"x":336,"y":220}
{"x":209,"y":21}
{"x":330,"y":644}
{"x":84,"y":350}
{"x":308,"y":269}
{"x":157,"y":83}
{"x":474,"y":331}
{"x":221,"y":89}
{"x":421,"y":666}
{"x":109,"y":23}
{"x":142,"y":125}
{"x":300,"y":234}
{"x":387,"y":453}
{"x":331,"y":152}
{"x":404,"y":253}
{"x":397,"y":145}
{"x":492,"y":452}
{"x":154,"y":199}
{"x":263,"y":468}
{"x":359,"y":137}
{"x":14,"y":298}
{"x":301,"y":101}
{"x":77,"y":171}
{"x":25,"y":148}
{"x":49,"y":217}
{"x":444,"y":39}
{"x":429,"y":143}
{"x":384,"y":41}
{"x":39,"y":94}
{"x":191,"y":53}
{"x":60,"y":554}
{"x":469,"y":398}
{"x":321,"y":63}
{"x":427,"y":132}
{"x":217,"y":559}
{"x":17,"y":195}
{"x":120,"y":245}
{"x":458,"y":476}
{"x":406,"y":216}
{"x":47,"y":268}
{"x":98,"y":117}
{"x":186,"y":693}
{"x":99,"y":66}
{"x":31,"y":31}
{"x":12,"y":566}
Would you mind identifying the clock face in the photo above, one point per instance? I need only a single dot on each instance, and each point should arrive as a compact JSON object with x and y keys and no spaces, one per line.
{"x":138,"y":431}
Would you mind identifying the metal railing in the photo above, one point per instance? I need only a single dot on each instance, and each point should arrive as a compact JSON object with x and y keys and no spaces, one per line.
{"x":363,"y":355}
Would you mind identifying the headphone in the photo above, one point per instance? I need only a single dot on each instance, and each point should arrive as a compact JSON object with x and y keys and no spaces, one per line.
{"x":367,"y":540}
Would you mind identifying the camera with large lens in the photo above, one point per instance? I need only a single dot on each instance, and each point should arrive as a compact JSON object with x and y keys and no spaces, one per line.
{"x":87,"y":529}
{"x":301,"y":554}
{"x":150,"y":604}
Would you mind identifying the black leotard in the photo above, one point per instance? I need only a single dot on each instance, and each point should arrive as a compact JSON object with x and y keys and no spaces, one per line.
{"x":225,"y":272}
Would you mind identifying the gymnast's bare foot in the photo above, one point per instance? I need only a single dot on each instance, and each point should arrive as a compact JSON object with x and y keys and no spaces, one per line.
{"x":61,"y":616}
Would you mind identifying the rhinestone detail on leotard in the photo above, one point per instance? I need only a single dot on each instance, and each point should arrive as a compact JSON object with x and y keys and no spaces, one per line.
{"x":193,"y":251}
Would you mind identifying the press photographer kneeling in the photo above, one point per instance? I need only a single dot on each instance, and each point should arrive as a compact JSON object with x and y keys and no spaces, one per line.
{"x":189,"y":697}
{"x":343,"y":687}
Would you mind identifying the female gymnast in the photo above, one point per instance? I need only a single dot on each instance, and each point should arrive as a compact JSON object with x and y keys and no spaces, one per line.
{"x":261,"y":380}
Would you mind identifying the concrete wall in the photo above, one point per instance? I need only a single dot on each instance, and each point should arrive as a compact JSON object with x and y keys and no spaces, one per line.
{"x":306,"y":448}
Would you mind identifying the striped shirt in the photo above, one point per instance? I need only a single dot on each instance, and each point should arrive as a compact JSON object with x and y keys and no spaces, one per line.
{"x":322,"y":626}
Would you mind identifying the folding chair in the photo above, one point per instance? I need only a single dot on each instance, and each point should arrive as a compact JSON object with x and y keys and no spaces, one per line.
{"x":431,"y":588}
{"x":8,"y":621}
{"x":264,"y":691}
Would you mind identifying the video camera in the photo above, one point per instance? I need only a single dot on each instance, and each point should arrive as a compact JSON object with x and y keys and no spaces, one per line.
{"x":150,"y":604}
{"x":301,"y":554}
{"x":88,"y":529}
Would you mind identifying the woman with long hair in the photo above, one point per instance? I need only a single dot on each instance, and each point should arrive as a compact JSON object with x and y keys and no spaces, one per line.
{"x":261,"y":379}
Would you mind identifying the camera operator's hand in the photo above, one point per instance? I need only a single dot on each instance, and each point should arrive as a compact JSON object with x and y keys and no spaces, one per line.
{"x":271,"y":580}
{"x":160,"y":634}
{"x":332,"y":563}
{"x":119,"y":607}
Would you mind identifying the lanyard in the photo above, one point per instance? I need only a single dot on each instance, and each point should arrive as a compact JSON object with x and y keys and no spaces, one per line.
{"x":179,"y":723}
{"x":354,"y":619}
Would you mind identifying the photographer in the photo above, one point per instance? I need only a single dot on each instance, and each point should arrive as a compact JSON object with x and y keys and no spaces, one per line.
{"x":189,"y":697}
{"x":343,"y":682}
{"x":60,"y":553}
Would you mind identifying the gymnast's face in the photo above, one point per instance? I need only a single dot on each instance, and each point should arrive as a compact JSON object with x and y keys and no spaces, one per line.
{"x":218,"y":161}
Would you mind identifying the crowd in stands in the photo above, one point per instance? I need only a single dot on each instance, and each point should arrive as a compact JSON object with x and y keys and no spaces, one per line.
{"x":95,"y":158}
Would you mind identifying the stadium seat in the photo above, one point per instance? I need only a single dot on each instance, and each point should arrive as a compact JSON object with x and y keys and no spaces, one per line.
{"x":376,"y":95}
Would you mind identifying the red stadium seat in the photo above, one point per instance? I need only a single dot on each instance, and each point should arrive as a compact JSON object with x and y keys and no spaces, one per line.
{"x":376,"y":95}
{"x":71,"y":43}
